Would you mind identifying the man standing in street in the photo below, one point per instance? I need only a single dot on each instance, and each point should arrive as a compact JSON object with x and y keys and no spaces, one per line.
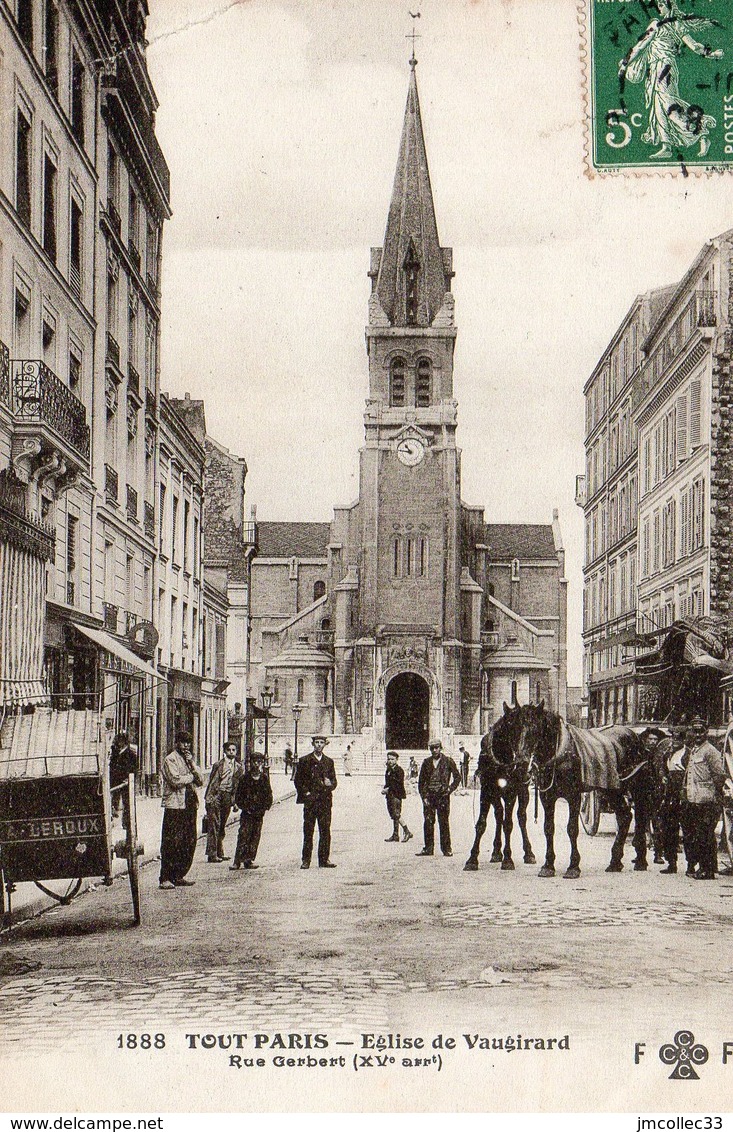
{"x":394,"y":793}
{"x":704,"y":780}
{"x":465,"y":765}
{"x":315,"y":782}
{"x":218,"y":800}
{"x":180,"y":802}
{"x":438,"y":779}
{"x":254,"y":798}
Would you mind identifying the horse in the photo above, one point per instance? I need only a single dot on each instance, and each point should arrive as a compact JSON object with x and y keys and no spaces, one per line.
{"x":548,"y":753}
{"x":501,"y":789}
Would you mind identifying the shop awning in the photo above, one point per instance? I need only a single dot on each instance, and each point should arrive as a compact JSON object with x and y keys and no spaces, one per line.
{"x":23,"y":693}
{"x":111,"y":644}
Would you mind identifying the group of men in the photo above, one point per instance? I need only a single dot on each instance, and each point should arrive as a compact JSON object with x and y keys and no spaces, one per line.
{"x":232,"y":787}
{"x":692,"y":778}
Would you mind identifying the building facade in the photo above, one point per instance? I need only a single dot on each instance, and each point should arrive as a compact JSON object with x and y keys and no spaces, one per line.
{"x":78,"y":447}
{"x":675,"y":545}
{"x":408,"y":614}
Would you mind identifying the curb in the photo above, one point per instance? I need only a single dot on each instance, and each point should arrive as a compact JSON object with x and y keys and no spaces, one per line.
{"x":44,"y":903}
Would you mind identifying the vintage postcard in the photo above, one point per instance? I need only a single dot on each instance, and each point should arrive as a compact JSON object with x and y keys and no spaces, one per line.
{"x":366,"y":576}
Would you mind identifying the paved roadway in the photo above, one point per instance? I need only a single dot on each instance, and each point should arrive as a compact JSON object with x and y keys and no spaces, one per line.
{"x":387,"y":942}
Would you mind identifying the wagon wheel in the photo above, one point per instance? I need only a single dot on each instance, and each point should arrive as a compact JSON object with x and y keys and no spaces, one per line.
{"x":133,"y":870}
{"x":590,"y":812}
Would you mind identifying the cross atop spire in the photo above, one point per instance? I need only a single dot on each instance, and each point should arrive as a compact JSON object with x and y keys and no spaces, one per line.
{"x":413,"y":36}
{"x":414,"y":272}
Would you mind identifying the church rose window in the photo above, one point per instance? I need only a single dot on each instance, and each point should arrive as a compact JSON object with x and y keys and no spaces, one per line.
{"x":422,"y":384}
{"x":397,"y":384}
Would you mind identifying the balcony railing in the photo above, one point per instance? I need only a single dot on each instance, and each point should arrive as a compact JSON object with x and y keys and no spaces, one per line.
{"x":111,"y":484}
{"x":325,"y":639}
{"x":704,"y":304}
{"x":39,"y":395}
{"x":20,"y":527}
{"x":150,"y":405}
{"x":149,"y":519}
{"x":134,"y":254}
{"x":114,"y":217}
{"x":131,"y":503}
{"x":490,"y":640}
{"x":113,"y":350}
{"x":70,"y":593}
{"x":133,"y":380}
{"x":110,"y":617}
{"x":699,"y":313}
{"x":129,"y":620}
{"x":4,"y":374}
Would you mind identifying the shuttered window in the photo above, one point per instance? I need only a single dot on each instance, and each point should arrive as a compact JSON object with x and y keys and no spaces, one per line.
{"x":681,"y":413}
{"x":695,"y":414}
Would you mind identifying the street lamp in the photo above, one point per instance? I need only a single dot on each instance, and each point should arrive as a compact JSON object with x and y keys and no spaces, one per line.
{"x":267,"y":696}
{"x":297,"y":709}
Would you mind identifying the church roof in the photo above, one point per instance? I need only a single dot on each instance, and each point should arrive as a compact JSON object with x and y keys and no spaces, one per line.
{"x":525,"y":541}
{"x":293,"y":540}
{"x":411,"y":239}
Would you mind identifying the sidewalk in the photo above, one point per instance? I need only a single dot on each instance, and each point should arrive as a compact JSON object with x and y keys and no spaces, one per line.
{"x":29,"y":901}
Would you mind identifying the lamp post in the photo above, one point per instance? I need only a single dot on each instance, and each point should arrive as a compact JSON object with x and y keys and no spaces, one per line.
{"x":448,"y":698}
{"x":297,"y":709}
{"x":266,"y":696}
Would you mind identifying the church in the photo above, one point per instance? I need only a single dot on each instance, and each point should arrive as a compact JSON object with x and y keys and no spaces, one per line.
{"x":408,"y":615}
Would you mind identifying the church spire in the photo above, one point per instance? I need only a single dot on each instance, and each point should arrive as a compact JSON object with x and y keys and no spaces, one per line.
{"x":414,"y":271}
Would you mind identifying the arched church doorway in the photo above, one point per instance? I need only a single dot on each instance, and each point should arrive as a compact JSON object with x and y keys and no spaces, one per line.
{"x":407,"y":710}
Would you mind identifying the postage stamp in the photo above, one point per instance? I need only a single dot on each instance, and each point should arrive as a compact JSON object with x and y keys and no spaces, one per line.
{"x":660,"y":84}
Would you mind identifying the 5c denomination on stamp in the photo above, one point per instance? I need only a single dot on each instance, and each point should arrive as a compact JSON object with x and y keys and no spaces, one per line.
{"x":660,"y":84}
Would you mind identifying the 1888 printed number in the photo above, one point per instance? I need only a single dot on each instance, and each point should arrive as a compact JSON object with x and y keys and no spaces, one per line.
{"x":141,"y":1041}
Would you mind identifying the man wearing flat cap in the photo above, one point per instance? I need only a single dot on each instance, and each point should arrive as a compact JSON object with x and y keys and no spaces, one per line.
{"x":315,"y":782}
{"x":703,"y":787}
{"x":438,"y":779}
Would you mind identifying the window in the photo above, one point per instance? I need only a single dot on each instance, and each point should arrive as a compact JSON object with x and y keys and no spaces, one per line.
{"x":409,"y":558}
{"x":130,"y":581}
{"x":150,"y":352}
{"x":515,"y":570}
{"x":422,"y":384}
{"x":72,"y":524}
{"x":133,"y":218}
{"x":74,"y":370}
{"x":113,"y":177}
{"x":151,"y":254}
{"x":22,"y":320}
{"x":147,"y":591}
{"x":48,"y":336}
{"x":174,"y":532}
{"x":656,"y":541}
{"x":397,"y":384}
{"x":697,"y":497}
{"x":77,"y":96}
{"x":319,"y":590}
{"x":276,"y":690}
{"x":645,"y":550}
{"x":411,"y":268}
{"x":50,"y":46}
{"x":326,"y":624}
{"x":301,"y":691}
{"x":326,"y":688}
{"x":25,"y":22}
{"x":76,"y":237}
{"x":681,"y":417}
{"x":695,"y":414}
{"x":112,"y":304}
{"x":195,"y":546}
{"x":23,"y":168}
{"x":186,"y":524}
{"x":49,"y":207}
{"x":396,"y":557}
{"x":161,"y":518}
{"x":422,"y":568}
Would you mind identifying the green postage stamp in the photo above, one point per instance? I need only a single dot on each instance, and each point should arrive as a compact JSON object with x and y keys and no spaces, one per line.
{"x":661,"y":84}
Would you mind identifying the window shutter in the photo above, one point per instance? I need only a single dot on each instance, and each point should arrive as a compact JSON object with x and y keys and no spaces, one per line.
{"x":681,"y":407}
{"x":684,"y":522}
{"x":695,"y":414}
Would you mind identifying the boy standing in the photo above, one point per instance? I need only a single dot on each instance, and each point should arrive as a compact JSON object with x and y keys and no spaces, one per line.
{"x":394,"y":793}
{"x":254,"y":798}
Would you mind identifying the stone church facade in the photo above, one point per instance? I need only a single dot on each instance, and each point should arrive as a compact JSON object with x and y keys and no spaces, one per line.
{"x":408,"y":615}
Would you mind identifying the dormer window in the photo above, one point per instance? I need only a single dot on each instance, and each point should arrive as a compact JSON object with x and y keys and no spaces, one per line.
{"x":422,"y":384}
{"x":411,"y":267}
{"x":397,"y":384}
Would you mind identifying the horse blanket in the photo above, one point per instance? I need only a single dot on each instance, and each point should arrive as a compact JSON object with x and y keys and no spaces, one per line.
{"x":600,"y":754}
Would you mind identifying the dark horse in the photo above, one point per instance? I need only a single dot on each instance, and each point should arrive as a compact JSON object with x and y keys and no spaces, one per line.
{"x":501,"y":789}
{"x":545,"y":751}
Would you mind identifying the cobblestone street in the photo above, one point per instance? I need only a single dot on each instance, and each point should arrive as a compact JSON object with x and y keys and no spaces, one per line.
{"x":383,"y":942}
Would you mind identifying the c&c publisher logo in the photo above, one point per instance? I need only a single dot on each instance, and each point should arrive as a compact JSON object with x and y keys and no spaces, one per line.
{"x":684,"y":1053}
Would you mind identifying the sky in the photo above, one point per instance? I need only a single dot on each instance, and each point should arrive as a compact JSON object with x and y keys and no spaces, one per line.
{"x":280,"y":121}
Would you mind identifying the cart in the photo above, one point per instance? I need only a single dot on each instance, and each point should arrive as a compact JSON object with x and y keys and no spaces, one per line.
{"x":57,"y":820}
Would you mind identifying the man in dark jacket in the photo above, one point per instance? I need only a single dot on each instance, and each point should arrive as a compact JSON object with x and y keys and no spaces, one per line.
{"x":253,"y":796}
{"x":218,"y":800}
{"x":122,"y":763}
{"x":438,"y":779}
{"x":394,"y":793}
{"x":315,"y":782}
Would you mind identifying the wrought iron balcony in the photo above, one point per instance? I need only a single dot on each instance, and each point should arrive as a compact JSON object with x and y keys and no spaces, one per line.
{"x":111,"y":484}
{"x":4,"y":375}
{"x":133,"y":380}
{"x":325,"y":639}
{"x":150,"y":403}
{"x":704,"y":306}
{"x":129,"y":620}
{"x":131,"y":503}
{"x":110,"y":616}
{"x":40,"y":398}
{"x":19,"y":526}
{"x":70,"y":593}
{"x":149,"y":519}
{"x":113,"y":350}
